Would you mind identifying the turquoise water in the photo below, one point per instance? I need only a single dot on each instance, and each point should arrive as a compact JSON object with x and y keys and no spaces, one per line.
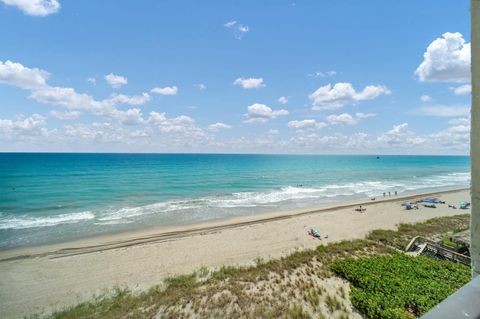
{"x":47,"y":198}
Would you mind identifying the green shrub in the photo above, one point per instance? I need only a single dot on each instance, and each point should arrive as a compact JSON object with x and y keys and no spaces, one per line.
{"x":400,"y":286}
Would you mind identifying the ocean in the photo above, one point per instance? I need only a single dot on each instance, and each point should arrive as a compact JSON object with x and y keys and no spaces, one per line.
{"x":55,"y":197}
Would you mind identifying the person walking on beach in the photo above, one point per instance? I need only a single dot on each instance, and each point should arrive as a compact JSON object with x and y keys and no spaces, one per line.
{"x":383,"y":194}
{"x":395,"y":193}
{"x":389,"y":194}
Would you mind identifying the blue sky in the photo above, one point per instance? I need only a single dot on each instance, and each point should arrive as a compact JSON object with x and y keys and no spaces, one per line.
{"x":325,"y":77}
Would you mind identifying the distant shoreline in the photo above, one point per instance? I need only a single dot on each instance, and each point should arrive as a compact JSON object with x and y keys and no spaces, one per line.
{"x":154,"y":234}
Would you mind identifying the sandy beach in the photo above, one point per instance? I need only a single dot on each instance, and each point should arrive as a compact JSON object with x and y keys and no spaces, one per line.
{"x":50,"y":277}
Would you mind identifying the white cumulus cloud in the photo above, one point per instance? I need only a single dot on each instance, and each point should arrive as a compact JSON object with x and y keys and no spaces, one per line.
{"x":249,"y":83}
{"x":261,"y":113}
{"x":343,"y":118}
{"x":447,"y":59}
{"x":463,"y":89}
{"x":168,"y":90}
{"x":364,"y":115}
{"x":460,"y":121}
{"x":39,"y":8}
{"x":22,"y":123}
{"x":23,"y":126}
{"x":70,"y":99}
{"x":115,"y":81}
{"x":35,"y":81}
{"x":23,"y":77}
{"x":454,"y":137}
{"x":65,"y":115}
{"x":330,"y":97}
{"x":66,"y":97}
{"x":132,"y":116}
{"x":397,"y":129}
{"x":306,"y":124}
{"x":425,"y":98}
{"x":166,"y":125}
{"x":283,"y":100}
{"x":132,"y":100}
{"x":217,"y":126}
{"x":332,"y":119}
{"x":400,"y":135}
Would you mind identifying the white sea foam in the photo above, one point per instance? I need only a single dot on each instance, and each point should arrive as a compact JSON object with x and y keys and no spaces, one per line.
{"x":22,"y":222}
{"x":130,"y":212}
{"x":126,"y":212}
{"x":252,"y":199}
{"x":219,"y":205}
{"x":114,"y":222}
{"x":287,"y":194}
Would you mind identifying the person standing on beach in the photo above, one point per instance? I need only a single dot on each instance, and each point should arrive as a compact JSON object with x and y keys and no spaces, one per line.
{"x":389,"y":194}
{"x":383,"y":194}
{"x":395,"y":193}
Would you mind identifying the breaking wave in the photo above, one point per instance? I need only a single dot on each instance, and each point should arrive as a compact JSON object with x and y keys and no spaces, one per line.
{"x":219,"y":205}
{"x":22,"y":222}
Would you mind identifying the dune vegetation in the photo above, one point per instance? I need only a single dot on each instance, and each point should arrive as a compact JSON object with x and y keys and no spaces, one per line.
{"x":400,"y":286}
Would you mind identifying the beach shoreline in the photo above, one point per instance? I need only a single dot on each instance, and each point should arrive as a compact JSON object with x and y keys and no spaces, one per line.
{"x":50,"y":277}
{"x":145,"y":235}
{"x":101,"y":194}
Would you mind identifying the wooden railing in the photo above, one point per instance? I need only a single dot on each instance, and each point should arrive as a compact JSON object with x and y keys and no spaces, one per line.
{"x":423,"y":245}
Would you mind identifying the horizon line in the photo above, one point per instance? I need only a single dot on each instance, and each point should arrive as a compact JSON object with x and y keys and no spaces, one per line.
{"x":220,"y":153}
